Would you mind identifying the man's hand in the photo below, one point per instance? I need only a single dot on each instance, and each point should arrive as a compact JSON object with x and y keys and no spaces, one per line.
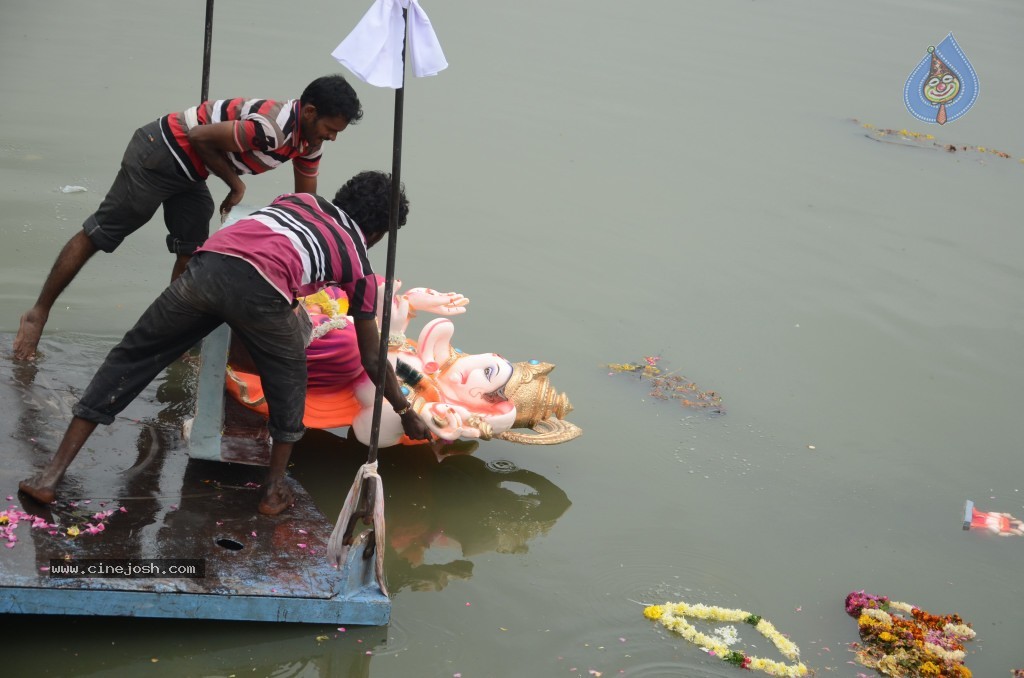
{"x":414,"y":427}
{"x":212,"y":142}
{"x":234,"y":197}
{"x":368,"y":339}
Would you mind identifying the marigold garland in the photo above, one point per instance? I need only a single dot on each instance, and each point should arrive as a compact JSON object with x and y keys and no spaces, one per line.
{"x":673,"y":617}
{"x":904,"y":641}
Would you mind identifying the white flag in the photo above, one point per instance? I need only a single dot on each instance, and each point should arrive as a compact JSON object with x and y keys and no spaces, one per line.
{"x":373,"y":50}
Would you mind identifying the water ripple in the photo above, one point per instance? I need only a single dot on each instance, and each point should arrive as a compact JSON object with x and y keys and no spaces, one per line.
{"x":674,"y":669}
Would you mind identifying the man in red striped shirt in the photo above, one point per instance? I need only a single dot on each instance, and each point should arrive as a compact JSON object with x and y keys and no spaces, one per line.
{"x":168,"y":161}
{"x":248,"y":275}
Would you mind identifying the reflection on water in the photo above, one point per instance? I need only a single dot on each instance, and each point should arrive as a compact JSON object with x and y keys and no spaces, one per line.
{"x":438,"y":513}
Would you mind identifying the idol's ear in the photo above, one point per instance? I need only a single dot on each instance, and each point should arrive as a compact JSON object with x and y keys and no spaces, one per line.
{"x":435,"y":343}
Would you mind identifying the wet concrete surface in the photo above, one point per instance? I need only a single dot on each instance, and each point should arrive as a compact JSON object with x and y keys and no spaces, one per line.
{"x":134,"y":495}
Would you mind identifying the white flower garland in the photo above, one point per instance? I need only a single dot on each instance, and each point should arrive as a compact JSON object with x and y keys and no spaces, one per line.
{"x":338,"y":323}
{"x":905,"y":608}
{"x":962,"y":631}
{"x":329,"y":307}
{"x":729,"y":635}
{"x":673,"y":617}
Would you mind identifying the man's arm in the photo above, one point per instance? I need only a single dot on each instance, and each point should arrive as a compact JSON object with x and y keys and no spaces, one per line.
{"x":304,"y":183}
{"x":368,"y":339}
{"x":211,"y":142}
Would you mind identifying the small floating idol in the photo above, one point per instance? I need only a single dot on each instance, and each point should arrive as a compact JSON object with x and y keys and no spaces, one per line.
{"x":1003,"y":524}
{"x":458,"y":395}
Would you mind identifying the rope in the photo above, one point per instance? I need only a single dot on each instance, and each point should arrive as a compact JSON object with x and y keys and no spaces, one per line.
{"x":338,"y":546}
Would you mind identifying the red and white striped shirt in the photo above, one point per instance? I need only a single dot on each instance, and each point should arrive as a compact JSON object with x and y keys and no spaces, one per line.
{"x":268,"y":132}
{"x":299,"y":244}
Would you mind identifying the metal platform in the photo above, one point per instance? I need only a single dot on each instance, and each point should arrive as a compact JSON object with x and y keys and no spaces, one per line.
{"x":167,"y":506}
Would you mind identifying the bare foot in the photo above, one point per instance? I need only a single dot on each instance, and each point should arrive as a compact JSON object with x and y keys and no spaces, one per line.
{"x":29,"y":331}
{"x":41,"y":492}
{"x":277,"y":497}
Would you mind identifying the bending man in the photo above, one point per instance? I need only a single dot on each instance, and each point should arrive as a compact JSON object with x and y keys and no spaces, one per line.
{"x":248,"y":275}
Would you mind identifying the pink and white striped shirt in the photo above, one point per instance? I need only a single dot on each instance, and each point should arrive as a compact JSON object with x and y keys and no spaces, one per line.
{"x":300,"y":243}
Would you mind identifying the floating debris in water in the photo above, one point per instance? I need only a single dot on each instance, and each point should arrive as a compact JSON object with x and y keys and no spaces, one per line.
{"x":669,"y":385}
{"x":1003,"y":524}
{"x":905,"y":137}
{"x":905,"y":641}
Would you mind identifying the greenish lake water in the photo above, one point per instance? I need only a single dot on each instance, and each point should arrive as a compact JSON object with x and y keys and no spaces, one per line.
{"x":605,"y":181}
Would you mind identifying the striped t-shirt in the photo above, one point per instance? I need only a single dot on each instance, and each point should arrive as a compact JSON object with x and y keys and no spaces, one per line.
{"x":268,"y":132}
{"x":299,"y":244}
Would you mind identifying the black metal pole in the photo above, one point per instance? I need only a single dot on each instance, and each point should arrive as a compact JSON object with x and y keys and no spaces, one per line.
{"x":389,"y":283}
{"x":207,"y":44}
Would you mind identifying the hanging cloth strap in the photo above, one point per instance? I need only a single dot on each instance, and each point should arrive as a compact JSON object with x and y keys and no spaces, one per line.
{"x":337,"y":548}
{"x":373,"y":50}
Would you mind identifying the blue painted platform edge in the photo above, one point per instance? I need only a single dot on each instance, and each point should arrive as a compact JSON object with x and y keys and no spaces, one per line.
{"x":367,"y":609}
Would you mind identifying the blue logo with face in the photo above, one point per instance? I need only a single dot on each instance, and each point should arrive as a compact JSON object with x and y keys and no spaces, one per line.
{"x":944,"y":85}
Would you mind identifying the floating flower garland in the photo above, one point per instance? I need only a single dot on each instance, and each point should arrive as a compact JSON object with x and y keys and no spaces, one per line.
{"x":904,"y":641}
{"x":673,"y":617}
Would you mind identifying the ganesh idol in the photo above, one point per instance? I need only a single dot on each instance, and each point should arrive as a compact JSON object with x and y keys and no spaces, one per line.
{"x":458,"y":395}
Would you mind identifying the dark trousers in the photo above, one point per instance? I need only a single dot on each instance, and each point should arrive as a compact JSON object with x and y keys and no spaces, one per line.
{"x":150,"y":177}
{"x":214,"y":289}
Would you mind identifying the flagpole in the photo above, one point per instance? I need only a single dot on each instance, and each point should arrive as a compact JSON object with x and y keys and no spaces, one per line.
{"x":367,"y":500}
{"x":389,"y":283}
{"x":207,"y":44}
{"x":371,"y":59}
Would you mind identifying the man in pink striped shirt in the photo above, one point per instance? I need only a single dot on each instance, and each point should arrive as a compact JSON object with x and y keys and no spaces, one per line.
{"x":249,"y":275}
{"x":168,"y":161}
